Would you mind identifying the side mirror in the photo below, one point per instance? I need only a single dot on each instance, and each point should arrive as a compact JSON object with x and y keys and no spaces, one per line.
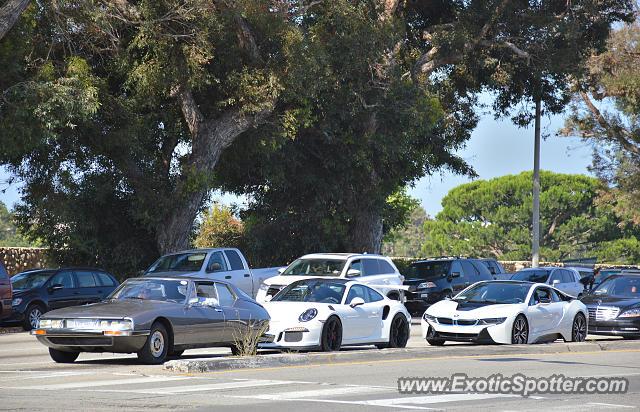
{"x":214,"y":267}
{"x":352,"y":273}
{"x":555,"y":282}
{"x":281,"y":270}
{"x":356,"y":302}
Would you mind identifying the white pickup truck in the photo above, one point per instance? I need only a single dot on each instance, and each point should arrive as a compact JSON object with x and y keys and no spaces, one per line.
{"x":376,"y":271}
{"x":227,"y":264}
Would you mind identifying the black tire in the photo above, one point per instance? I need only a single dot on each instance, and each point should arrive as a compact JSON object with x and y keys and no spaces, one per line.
{"x":432,"y":340}
{"x":579,"y":328}
{"x":156,"y":347}
{"x":32,"y":316}
{"x":176,"y":353}
{"x":520,"y":331}
{"x":631,"y":337}
{"x":447,"y":294}
{"x":62,"y":356}
{"x":331,"y":338}
{"x":398,"y":332}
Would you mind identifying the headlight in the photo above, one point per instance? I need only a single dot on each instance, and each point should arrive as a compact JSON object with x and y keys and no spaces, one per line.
{"x":426,"y":285}
{"x":428,"y":318}
{"x":116,"y":325}
{"x":100,"y":324}
{"x":631,"y":313}
{"x":491,"y":321}
{"x":264,"y":287}
{"x":50,"y":324}
{"x":16,"y":302}
{"x":308,"y":314}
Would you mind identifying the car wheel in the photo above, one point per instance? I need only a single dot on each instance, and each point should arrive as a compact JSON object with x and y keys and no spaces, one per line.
{"x":62,"y":356}
{"x":32,"y":316}
{"x":176,"y":353}
{"x":579,"y":328}
{"x":432,"y":340}
{"x":156,"y":347}
{"x":331,"y":338}
{"x":520,"y":331}
{"x":398,"y":332}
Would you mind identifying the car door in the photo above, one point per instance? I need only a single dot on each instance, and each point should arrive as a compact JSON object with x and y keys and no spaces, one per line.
{"x":239,"y":271}
{"x":544,"y":311}
{"x":206,"y":317}
{"x":89,"y":287}
{"x":361,"y":321}
{"x":237,"y":319}
{"x":458,"y":282}
{"x":572,"y":280}
{"x":62,"y":291}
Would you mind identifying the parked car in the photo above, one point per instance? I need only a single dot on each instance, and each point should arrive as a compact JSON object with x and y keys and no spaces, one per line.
{"x":377,"y":271}
{"x":38,"y":291}
{"x":506,"y":312}
{"x":154,"y":317}
{"x":331,"y":313}
{"x":226,"y":264}
{"x":430,"y":281}
{"x":565,"y":279}
{"x":614,"y":306}
{"x":6,"y":293}
{"x":495,"y":268}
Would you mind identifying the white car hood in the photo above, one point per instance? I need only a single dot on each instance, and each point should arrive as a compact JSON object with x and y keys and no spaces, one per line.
{"x":450,"y":308}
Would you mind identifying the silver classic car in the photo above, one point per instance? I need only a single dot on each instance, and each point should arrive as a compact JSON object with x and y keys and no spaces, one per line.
{"x":155,"y":317}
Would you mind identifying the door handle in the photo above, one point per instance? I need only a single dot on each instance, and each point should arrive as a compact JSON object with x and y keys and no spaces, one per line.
{"x":228,"y":277}
{"x":218,"y":309}
{"x":246,"y":275}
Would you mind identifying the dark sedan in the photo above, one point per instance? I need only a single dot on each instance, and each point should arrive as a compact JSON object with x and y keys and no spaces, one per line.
{"x":156,"y":317}
{"x":614,"y":306}
{"x":38,"y":291}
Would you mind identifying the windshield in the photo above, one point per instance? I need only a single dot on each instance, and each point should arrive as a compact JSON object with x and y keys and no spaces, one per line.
{"x":536,"y":275}
{"x":623,"y":286}
{"x":495,"y":292}
{"x":311,"y":291}
{"x":152,"y":289}
{"x":182,"y":262}
{"x":29,"y":280}
{"x":427,"y":270}
{"x":316,"y":267}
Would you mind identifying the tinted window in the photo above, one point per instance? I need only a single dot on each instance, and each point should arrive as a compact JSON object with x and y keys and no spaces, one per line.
{"x":540,"y":294}
{"x":531,"y":275}
{"x":104,"y":279}
{"x":385,"y":267}
{"x":456,"y":268}
{"x":494,"y":292}
{"x":470,"y":272}
{"x":568,"y":276}
{"x":373,"y":295}
{"x":427,"y":270}
{"x":311,"y":290}
{"x":182,"y":262}
{"x":357,"y":291}
{"x":65,"y":279}
{"x":357,"y":265}
{"x":85,"y":279}
{"x":216,"y":257}
{"x":224,"y":294}
{"x":370,"y":267}
{"x":3,"y":272}
{"x":234,"y":260}
{"x":556,"y":275}
{"x":481,"y":268}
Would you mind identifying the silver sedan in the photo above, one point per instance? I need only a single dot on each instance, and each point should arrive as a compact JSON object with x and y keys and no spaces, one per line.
{"x":156,"y":317}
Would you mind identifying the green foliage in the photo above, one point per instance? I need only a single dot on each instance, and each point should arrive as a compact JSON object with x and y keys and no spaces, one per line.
{"x":219,"y":228}
{"x":9,"y":234}
{"x":493,"y":219}
{"x":407,"y":240}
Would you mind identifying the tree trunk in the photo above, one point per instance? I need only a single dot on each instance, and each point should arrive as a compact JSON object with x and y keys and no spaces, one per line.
{"x":9,"y":14}
{"x":175,"y":232}
{"x":366,"y":233}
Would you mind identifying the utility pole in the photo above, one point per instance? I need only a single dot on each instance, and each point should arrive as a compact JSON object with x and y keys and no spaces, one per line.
{"x":535,"y":260}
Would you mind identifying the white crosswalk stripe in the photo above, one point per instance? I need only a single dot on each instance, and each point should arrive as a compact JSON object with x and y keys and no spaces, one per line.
{"x":90,"y":384}
{"x":204,"y":387}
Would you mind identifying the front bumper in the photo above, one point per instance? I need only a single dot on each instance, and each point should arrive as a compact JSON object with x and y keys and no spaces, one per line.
{"x":616,"y":327}
{"x":477,"y":333}
{"x":90,"y":341}
{"x":302,"y":335}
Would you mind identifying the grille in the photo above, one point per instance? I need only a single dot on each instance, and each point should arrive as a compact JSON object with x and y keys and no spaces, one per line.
{"x":292,"y":336}
{"x":603,"y":313}
{"x":80,"y":341}
{"x":445,"y":321}
{"x":459,"y":322}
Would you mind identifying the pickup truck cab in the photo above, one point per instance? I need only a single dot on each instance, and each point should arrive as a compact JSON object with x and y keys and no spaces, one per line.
{"x":376,"y":271}
{"x":226,"y":264}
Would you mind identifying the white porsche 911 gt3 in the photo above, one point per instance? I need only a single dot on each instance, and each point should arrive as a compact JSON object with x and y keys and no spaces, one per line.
{"x":329,"y":313}
{"x":506,"y":312}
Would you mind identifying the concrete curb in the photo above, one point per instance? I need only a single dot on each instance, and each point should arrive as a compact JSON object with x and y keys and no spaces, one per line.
{"x":271,"y":360}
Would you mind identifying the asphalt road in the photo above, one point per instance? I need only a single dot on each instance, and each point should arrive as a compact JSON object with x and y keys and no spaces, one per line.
{"x":364,"y":379}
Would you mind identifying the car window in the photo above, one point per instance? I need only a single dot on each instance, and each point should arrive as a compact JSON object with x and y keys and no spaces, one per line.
{"x":357,"y":265}
{"x":370,"y":267}
{"x":456,"y":267}
{"x":427,"y":270}
{"x":217,"y":257}
{"x":470,"y":272}
{"x":555,"y":297}
{"x":385,"y":267}
{"x":541,"y":293}
{"x":357,"y":291}
{"x":3,"y":272}
{"x":85,"y":279}
{"x":64,"y":278}
{"x":531,"y":275}
{"x":373,"y":295}
{"x":569,"y":276}
{"x":205,"y":293}
{"x":556,"y":275}
{"x":226,"y":297}
{"x":234,"y":260}
{"x":104,"y":279}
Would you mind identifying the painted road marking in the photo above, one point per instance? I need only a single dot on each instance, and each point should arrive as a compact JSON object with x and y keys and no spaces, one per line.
{"x":110,"y":382}
{"x":343,"y":390}
{"x":610,"y":405}
{"x":238,"y":384}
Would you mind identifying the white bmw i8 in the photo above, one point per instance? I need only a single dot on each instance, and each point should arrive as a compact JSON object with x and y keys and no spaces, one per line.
{"x":506,"y":312}
{"x":329,"y":313}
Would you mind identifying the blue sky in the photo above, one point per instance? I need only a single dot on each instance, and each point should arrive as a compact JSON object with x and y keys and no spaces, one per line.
{"x":496,"y":148}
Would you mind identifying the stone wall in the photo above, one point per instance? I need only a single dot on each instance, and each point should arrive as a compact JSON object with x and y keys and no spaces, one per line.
{"x":19,"y":259}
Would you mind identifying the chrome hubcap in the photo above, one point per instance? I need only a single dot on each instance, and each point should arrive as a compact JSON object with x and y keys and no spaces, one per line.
{"x":157,"y":344}
{"x":34,"y":317}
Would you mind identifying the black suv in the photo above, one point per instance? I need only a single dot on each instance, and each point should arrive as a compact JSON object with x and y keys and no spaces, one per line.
{"x":432,"y":280}
{"x":38,"y":291}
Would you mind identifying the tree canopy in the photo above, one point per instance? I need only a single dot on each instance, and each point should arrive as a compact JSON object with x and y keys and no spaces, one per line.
{"x":9,"y":234}
{"x":493,"y":219}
